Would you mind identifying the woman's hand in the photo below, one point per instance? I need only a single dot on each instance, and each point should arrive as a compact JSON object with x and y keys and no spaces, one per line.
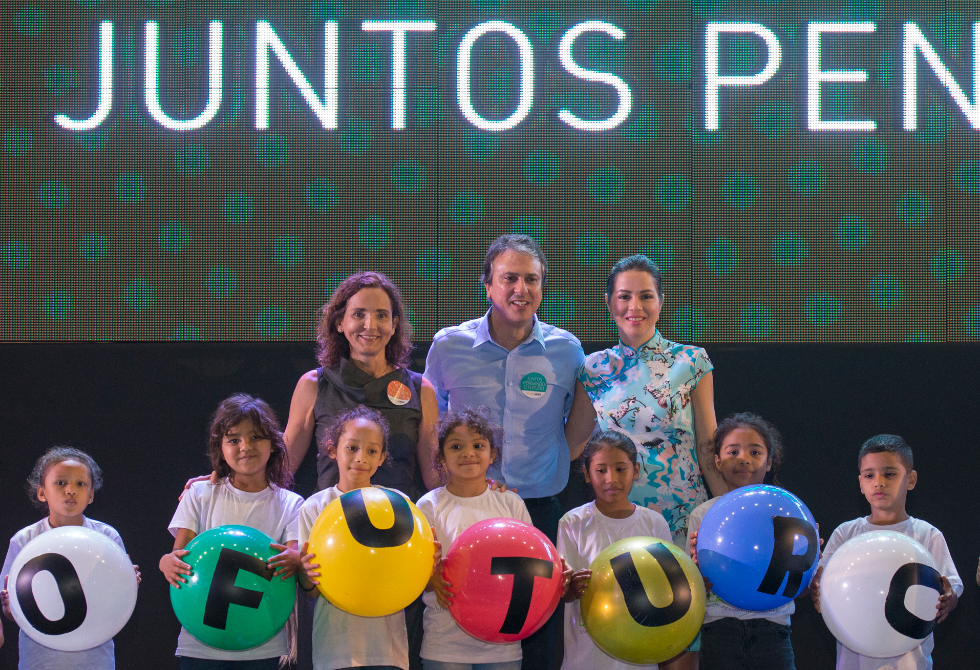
{"x":213,"y":478}
{"x":175,"y":569}
{"x":286,"y":563}
{"x":947,"y":601}
{"x":578,"y":584}
{"x":499,"y":487}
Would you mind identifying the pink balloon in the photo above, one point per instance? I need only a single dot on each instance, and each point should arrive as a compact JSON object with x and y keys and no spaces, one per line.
{"x":506,"y":577}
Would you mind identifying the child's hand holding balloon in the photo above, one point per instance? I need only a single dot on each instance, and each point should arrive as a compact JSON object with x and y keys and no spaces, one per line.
{"x":578,"y":584}
{"x":693,"y":539}
{"x":286,"y":563}
{"x":175,"y":569}
{"x":309,"y":573}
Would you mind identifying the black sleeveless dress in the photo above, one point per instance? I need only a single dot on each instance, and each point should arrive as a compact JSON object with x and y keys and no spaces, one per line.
{"x":396,"y":397}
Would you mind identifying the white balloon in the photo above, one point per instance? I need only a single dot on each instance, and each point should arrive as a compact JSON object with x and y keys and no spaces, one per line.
{"x":72,"y":588}
{"x":868,"y":587}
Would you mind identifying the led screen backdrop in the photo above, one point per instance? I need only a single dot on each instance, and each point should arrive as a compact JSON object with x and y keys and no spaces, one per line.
{"x":211,"y":170}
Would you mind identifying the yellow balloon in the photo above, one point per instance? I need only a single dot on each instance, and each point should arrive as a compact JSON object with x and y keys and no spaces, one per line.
{"x":645,"y":601}
{"x":375,"y":550}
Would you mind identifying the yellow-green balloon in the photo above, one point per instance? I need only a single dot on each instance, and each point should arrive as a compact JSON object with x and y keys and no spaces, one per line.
{"x":645,"y":601}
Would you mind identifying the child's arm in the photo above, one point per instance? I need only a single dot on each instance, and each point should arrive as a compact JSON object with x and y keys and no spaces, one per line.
{"x":437,"y":581}
{"x":171,"y":566}
{"x":577,"y":585}
{"x":286,"y":563}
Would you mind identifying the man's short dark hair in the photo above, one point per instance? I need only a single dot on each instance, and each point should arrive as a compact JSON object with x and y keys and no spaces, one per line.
{"x":522,"y":244}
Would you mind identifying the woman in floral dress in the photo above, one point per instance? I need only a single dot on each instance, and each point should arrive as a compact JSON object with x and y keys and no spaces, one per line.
{"x":659,"y":393}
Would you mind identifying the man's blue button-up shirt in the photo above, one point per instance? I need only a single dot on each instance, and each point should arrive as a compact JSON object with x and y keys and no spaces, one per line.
{"x":529,"y":390}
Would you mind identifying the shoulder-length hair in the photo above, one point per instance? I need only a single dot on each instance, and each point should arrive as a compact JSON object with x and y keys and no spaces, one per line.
{"x":231,"y":412}
{"x":332,"y":345}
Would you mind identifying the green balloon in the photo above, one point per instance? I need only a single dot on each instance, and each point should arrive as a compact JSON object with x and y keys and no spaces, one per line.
{"x":231,"y":600}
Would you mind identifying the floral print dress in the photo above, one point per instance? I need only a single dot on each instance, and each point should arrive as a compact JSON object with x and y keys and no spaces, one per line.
{"x":645,"y":393}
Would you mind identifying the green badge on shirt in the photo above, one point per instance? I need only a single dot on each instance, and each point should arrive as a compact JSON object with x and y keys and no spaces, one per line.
{"x":534,"y":385}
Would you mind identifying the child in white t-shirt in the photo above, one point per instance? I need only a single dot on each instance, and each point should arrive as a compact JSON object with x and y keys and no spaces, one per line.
{"x":468,"y":445}
{"x":748,"y":450}
{"x":64,"y":481}
{"x":248,"y":454}
{"x":886,"y":475}
{"x":610,"y":465}
{"x":357,"y":440}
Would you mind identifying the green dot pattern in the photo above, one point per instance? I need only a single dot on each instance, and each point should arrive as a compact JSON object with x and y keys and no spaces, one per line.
{"x":466,"y":208}
{"x":606,"y":185}
{"x":948,"y":265}
{"x":885,"y":291}
{"x":673,"y":191}
{"x":740,"y":189}
{"x":532,"y":226}
{"x":913,"y":208}
{"x":763,"y":230}
{"x":192,"y":159}
{"x":788,"y":248}
{"x":129,"y":188}
{"x":173,"y":237}
{"x":321,"y":195}
{"x":542,"y":168}
{"x":272,"y":323}
{"x":93,"y":247}
{"x":220,"y":281}
{"x":591,"y":249}
{"x":374,"y":232}
{"x":139,"y":294}
{"x":822,"y":308}
{"x":53,"y":194}
{"x":16,"y":255}
{"x":756,"y":321}
{"x":237,"y":208}
{"x":806,"y":178}
{"x":852,"y":233}
{"x":17,"y":141}
{"x":57,"y":305}
{"x":722,"y":257}
{"x":557,"y":308}
{"x":287,"y":251}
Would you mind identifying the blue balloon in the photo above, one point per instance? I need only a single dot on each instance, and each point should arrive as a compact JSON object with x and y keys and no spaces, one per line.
{"x":758,"y":547}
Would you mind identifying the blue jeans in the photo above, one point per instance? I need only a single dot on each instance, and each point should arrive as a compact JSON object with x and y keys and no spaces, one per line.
{"x":444,"y":665}
{"x":188,"y":663}
{"x":752,"y":644}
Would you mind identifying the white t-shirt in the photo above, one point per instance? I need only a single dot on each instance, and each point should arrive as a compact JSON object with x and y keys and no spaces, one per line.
{"x":341,"y":639}
{"x":582,"y":535}
{"x":205,"y":506}
{"x":34,"y":656}
{"x":449,"y":516}
{"x":932,"y":539}
{"x":717,"y":608}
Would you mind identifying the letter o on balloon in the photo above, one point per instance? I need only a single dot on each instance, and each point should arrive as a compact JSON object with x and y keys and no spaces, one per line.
{"x":71,"y":588}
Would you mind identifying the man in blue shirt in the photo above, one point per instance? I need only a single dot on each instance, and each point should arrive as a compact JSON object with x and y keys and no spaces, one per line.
{"x":525,"y":371}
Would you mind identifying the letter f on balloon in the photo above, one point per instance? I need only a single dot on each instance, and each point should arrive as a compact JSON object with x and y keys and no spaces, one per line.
{"x":224,"y":593}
